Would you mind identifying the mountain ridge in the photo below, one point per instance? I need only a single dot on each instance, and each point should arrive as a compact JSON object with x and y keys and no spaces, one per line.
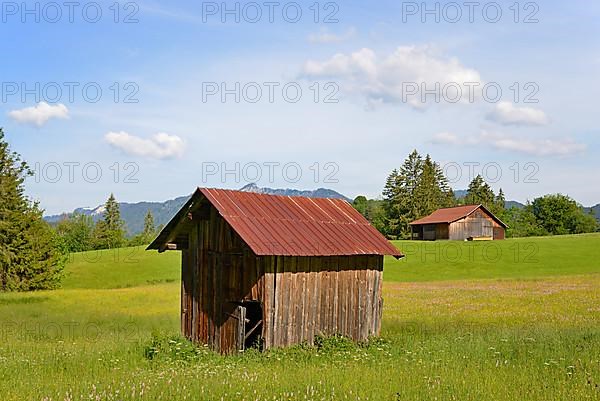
{"x":133,"y":213}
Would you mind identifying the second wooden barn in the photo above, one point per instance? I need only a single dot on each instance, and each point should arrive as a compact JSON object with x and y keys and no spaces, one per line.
{"x":275,"y":270}
{"x":459,"y":223}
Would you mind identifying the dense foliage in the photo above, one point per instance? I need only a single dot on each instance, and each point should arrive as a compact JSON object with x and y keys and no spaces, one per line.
{"x":79,"y":233}
{"x":419,"y":187}
{"x":414,"y":190}
{"x":30,"y":255}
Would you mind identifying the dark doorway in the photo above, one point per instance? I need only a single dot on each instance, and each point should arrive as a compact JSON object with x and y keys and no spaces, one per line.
{"x":254,"y":323}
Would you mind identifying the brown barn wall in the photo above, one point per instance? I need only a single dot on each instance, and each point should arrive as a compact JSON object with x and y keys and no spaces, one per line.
{"x":322,"y":295}
{"x":499,"y":233}
{"x":218,"y":269}
{"x":442,"y":231}
{"x":477,"y":224}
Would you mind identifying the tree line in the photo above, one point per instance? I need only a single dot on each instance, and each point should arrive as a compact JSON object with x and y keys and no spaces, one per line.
{"x":79,"y":233}
{"x":418,"y":187}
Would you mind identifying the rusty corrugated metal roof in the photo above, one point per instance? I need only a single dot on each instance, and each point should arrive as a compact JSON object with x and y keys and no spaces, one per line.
{"x":452,"y":214}
{"x":295,"y":226}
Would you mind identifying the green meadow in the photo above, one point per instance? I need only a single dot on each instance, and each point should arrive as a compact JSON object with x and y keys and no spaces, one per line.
{"x":509,"y":320}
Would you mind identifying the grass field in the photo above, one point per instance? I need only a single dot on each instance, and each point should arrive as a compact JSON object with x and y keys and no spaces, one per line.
{"x":466,"y":325}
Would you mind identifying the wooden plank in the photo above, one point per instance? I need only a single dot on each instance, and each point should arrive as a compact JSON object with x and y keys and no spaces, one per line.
{"x":354,"y":299}
{"x":194,"y":283}
{"x":363,"y":296}
{"x":291,"y":301}
{"x":358,"y":316}
{"x":335,"y":308}
{"x":368,"y":300}
{"x":343,"y":296}
{"x":324,"y":309}
{"x":241,"y":327}
{"x":206,"y":289}
{"x":303,"y":296}
{"x":183,"y":296}
{"x":277,"y":329}
{"x":379,"y":300}
{"x":313,"y":301}
{"x":326,"y":313}
{"x":331,"y":308}
{"x":273,"y":270}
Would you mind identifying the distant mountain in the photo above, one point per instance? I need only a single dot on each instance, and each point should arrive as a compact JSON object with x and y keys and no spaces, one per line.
{"x":510,"y":203}
{"x":317,"y":193}
{"x":133,"y":213}
{"x":460,"y":193}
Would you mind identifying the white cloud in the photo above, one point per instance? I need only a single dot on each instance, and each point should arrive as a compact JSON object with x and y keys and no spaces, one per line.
{"x":388,"y":79}
{"x":159,"y":146}
{"x":328,"y":37}
{"x":506,"y":113}
{"x":40,"y":114}
{"x":535,"y":147}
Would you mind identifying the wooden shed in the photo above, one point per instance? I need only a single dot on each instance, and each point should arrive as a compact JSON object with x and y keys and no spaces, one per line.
{"x":271,"y":271}
{"x":459,"y":223}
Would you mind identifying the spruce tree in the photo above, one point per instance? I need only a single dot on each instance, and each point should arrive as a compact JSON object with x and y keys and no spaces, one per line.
{"x":390,"y":205}
{"x":149,"y":228}
{"x":500,"y":204}
{"x":428,"y":194}
{"x":109,"y":232}
{"x":479,"y":192}
{"x":30,"y":255}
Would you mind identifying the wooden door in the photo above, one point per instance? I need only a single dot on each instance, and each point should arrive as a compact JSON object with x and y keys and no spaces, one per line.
{"x":240,"y":335}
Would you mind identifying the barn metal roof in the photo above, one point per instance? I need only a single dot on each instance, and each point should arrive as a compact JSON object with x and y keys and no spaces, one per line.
{"x":292,"y":226}
{"x":452,"y":214}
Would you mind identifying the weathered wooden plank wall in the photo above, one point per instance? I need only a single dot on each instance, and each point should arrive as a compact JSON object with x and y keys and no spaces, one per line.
{"x":478,"y":224}
{"x":321,"y":295}
{"x":218,"y":270}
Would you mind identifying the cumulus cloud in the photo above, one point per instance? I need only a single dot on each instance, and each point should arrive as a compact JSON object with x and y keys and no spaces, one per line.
{"x":394,"y":78}
{"x":535,"y":147}
{"x":40,"y":114}
{"x":159,"y":146}
{"x":506,"y":113}
{"x":328,"y":37}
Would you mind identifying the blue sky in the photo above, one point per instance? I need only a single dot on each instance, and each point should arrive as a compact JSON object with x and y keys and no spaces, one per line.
{"x":172,"y":139}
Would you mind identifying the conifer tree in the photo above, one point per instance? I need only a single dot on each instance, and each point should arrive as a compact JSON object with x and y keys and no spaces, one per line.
{"x":109,"y":232}
{"x":30,"y":255}
{"x":149,"y":227}
{"x":479,"y":192}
